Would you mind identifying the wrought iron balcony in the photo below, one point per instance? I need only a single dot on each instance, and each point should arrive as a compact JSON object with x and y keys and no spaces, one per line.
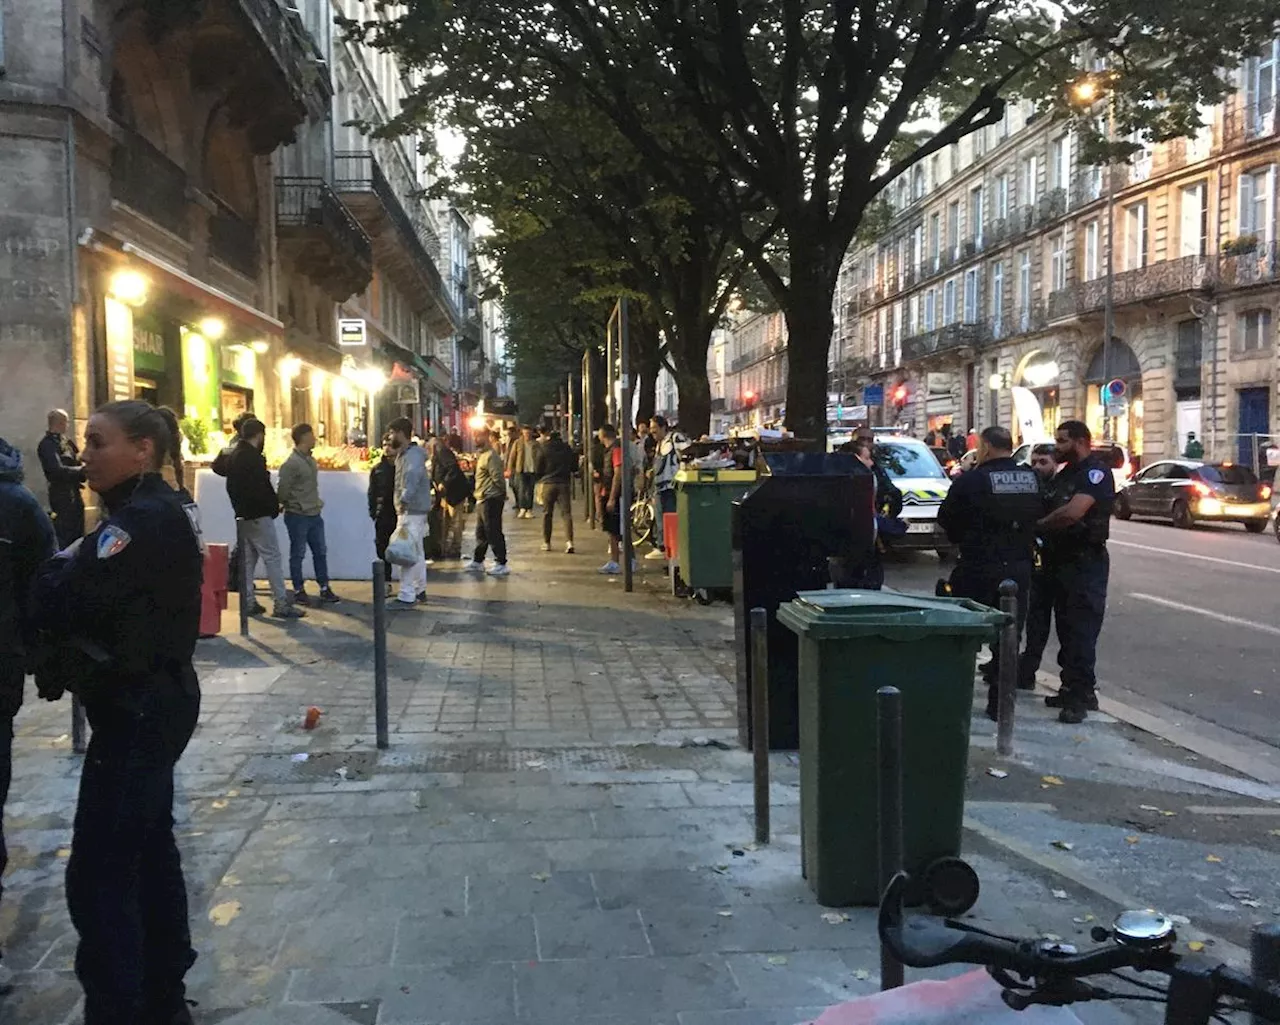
{"x":945,"y":339}
{"x":470,"y":332}
{"x":400,"y":245}
{"x":1244,"y":121}
{"x":1156,"y":281}
{"x":324,"y":239}
{"x":774,"y":393}
{"x":233,"y":240}
{"x":148,"y":182}
{"x":1242,"y":270}
{"x":1086,"y":188}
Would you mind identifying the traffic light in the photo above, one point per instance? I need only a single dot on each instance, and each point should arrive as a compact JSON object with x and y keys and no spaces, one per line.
{"x":899,"y":395}
{"x":749,"y":397}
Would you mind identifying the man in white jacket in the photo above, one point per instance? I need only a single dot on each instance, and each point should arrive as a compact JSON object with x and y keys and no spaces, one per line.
{"x":413,"y":505}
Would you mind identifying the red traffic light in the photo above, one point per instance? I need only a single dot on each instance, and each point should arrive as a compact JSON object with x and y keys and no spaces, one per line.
{"x":900,"y":395}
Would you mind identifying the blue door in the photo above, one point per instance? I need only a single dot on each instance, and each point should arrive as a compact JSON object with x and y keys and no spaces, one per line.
{"x":1255,"y":418}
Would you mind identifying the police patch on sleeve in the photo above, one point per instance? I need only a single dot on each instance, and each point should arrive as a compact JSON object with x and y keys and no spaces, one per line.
{"x":1096,"y":476}
{"x":112,"y":541}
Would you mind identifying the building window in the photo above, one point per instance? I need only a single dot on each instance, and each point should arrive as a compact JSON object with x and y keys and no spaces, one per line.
{"x":1257,"y":203}
{"x":1091,"y":250}
{"x":931,"y":309}
{"x":953,"y":229}
{"x":1260,"y":81}
{"x":913,"y":315}
{"x":997,"y":296}
{"x":949,"y":302}
{"x":1027,"y":187}
{"x":1194,"y":221}
{"x":971,"y":295}
{"x":1059,"y":158}
{"x":917,"y":182}
{"x":935,"y":169}
{"x":1024,"y":289}
{"x":917,"y":248}
{"x":935,"y":239}
{"x":975,"y":215}
{"x":1254,"y":333}
{"x":1002,"y":197}
{"x":1135,"y":217}
{"x":1058,"y":262}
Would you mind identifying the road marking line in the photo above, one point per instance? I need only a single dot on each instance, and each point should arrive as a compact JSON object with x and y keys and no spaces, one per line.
{"x":1220,"y":617}
{"x":1204,"y":809}
{"x":1192,"y":555}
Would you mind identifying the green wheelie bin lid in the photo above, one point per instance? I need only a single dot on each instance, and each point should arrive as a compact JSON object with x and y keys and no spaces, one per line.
{"x":894,"y":615}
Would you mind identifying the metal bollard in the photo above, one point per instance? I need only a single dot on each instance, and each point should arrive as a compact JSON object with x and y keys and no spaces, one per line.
{"x":78,"y":743}
{"x":246,"y":578}
{"x":1264,"y":960}
{"x":380,"y":652}
{"x":760,"y":719}
{"x":889,"y":809}
{"x":1007,"y":680}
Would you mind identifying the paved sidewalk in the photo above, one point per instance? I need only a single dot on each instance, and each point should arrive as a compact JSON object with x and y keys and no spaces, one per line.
{"x":554,"y":834}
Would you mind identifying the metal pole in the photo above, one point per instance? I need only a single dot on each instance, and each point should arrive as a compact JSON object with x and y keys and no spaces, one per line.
{"x":1108,"y":309}
{"x":624,"y":436}
{"x":246,"y":577}
{"x":1264,"y":960}
{"x":760,"y":718}
{"x":889,"y":809}
{"x":610,"y":371}
{"x":1007,"y":681}
{"x":589,"y":484}
{"x":78,"y":744}
{"x":380,"y":652}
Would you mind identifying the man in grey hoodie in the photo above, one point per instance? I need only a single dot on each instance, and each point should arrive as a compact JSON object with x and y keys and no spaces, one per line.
{"x":413,"y":506}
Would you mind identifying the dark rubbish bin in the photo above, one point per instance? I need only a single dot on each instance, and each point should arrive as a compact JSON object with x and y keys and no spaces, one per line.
{"x":806,"y":508}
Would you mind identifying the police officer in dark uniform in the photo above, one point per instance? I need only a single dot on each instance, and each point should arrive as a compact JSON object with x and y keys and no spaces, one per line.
{"x":1040,"y":604}
{"x":1075,"y":532}
{"x":60,"y":461}
{"x":120,"y":612}
{"x":991,"y":513}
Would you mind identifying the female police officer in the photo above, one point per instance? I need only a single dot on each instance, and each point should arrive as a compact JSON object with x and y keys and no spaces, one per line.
{"x":123,"y":607}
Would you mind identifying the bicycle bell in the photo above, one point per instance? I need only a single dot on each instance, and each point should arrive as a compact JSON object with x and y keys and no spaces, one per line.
{"x":1144,"y":930}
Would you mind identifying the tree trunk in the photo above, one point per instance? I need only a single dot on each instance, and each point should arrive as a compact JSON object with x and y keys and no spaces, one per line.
{"x":810,"y":323}
{"x":646,"y":362}
{"x":695,"y":403}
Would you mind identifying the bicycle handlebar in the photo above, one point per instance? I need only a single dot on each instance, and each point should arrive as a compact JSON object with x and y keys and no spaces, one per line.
{"x":924,"y":942}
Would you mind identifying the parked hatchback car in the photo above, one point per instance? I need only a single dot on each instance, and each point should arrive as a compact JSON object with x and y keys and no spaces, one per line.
{"x":920,"y":477}
{"x":1186,"y":491}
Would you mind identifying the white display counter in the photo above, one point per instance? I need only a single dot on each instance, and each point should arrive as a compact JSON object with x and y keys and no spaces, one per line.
{"x":347,"y":528}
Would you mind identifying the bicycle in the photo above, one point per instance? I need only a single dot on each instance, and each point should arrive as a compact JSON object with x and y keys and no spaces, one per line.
{"x":1051,"y":973}
{"x":642,"y":525}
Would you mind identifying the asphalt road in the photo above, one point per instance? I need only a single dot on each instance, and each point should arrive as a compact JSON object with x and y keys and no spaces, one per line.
{"x":1191,"y":620}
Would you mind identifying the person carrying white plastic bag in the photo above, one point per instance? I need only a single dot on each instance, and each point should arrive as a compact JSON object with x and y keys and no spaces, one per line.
{"x":413,"y":506}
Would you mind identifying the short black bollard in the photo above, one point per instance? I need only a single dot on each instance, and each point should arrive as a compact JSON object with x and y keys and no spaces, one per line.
{"x":380,"y":652}
{"x":78,"y":743}
{"x":889,"y":809}
{"x":760,"y":719}
{"x":1007,"y":680}
{"x":245,"y":584}
{"x":1264,"y":960}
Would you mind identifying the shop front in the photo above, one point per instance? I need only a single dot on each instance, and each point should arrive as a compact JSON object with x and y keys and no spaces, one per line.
{"x":1038,"y":375}
{"x":1120,"y":421}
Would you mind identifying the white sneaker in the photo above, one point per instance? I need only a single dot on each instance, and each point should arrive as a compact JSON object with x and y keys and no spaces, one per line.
{"x":655,"y":555}
{"x":471,"y":566}
{"x":500,"y":570}
{"x":568,"y":548}
{"x":610,"y":569}
{"x":546,"y":546}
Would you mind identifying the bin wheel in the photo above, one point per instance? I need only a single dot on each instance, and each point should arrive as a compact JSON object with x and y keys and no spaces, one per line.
{"x":951,"y":887}
{"x":701,"y":596}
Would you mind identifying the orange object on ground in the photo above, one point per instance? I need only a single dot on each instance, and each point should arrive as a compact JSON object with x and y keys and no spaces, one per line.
{"x":312,"y":718}
{"x":670,"y":533}
{"x":213,"y":589}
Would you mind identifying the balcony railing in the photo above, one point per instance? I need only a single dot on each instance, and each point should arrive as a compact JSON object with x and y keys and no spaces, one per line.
{"x":286,"y":38}
{"x":147,"y":181}
{"x":470,"y":332}
{"x":1244,"y":121}
{"x":949,"y":337}
{"x":311,"y":205}
{"x":1168,"y":277}
{"x":233,"y":240}
{"x":1261,"y":266}
{"x":1086,"y":188}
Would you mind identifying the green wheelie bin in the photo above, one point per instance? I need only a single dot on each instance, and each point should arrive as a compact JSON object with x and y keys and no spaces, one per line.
{"x":851,"y":644}
{"x":704,"y":503}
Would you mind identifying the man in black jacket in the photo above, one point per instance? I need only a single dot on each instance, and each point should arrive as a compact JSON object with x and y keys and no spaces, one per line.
{"x":60,"y":461}
{"x":382,"y":499}
{"x":557,"y":463}
{"x":26,"y":540}
{"x":253,"y":499}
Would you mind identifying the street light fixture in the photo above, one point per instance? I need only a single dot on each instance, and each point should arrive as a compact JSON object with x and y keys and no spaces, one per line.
{"x":1085,"y":92}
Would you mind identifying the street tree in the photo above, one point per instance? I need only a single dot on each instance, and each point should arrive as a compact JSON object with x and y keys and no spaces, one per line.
{"x":818,"y":105}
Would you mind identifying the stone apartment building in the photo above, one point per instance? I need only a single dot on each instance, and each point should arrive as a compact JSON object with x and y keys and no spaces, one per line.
{"x":755,"y":388}
{"x":186,"y":217}
{"x":992,"y":276}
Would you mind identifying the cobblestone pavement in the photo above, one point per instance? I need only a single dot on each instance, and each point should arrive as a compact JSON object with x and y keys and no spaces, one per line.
{"x":560,"y":830}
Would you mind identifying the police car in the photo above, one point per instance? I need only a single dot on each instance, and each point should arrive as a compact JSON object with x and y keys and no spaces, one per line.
{"x":919,"y":476}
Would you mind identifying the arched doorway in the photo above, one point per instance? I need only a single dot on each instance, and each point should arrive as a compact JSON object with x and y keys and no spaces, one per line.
{"x":1125,"y":426}
{"x":1038,"y":372}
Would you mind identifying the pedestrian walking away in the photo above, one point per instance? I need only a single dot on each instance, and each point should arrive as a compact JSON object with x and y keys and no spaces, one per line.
{"x":990,"y":514}
{"x":60,"y":460}
{"x":522,"y":466}
{"x":666,"y":463}
{"x":1075,"y":533}
{"x":457,"y":495}
{"x":451,"y":489}
{"x":382,"y":500}
{"x":299,"y":494}
{"x":1040,"y":603}
{"x":26,"y":540}
{"x":119,"y":615}
{"x":413,"y":500}
{"x":256,"y":505}
{"x":491,"y":496}
{"x":610,"y":491}
{"x":557,"y":463}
